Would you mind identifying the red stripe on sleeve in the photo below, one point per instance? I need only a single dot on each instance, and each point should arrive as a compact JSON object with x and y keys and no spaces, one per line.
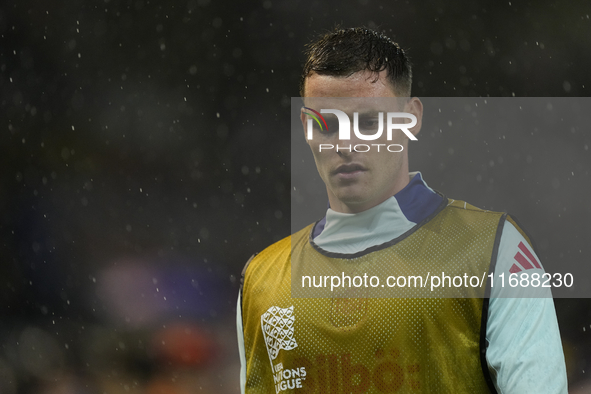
{"x":514,"y":269}
{"x":523,"y":261}
{"x":529,"y":255}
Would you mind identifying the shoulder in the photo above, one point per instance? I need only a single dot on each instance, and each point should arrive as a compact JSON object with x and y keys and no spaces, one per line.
{"x":517,"y":258}
{"x":463,"y":206}
{"x":280,"y":250}
{"x":515,"y":246}
{"x":513,"y":231}
{"x":471,"y":218}
{"x":508,"y":225}
{"x":516,"y":249}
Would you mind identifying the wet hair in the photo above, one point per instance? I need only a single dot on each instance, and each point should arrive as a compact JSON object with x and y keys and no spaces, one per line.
{"x":343,"y":52}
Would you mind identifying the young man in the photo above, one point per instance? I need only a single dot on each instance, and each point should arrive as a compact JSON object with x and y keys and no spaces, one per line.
{"x":383,"y":217}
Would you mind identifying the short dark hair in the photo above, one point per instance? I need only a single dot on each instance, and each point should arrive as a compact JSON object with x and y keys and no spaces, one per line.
{"x":343,"y":52}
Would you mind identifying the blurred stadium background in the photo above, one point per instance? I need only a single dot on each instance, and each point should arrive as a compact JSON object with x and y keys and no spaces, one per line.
{"x":144,"y":156}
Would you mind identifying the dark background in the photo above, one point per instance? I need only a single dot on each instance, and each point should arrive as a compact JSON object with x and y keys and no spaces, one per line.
{"x":144,"y":156}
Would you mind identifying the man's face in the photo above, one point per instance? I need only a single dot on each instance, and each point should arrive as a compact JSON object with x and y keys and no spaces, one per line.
{"x":357,"y":181}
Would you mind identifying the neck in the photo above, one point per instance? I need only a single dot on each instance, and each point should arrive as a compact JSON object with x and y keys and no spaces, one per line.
{"x":339,"y":232}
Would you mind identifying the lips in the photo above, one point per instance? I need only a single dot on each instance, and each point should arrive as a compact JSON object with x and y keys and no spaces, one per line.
{"x":349,"y":168}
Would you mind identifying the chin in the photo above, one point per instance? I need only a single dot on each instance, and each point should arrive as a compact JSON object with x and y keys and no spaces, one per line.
{"x":353,"y":193}
{"x":354,"y":200}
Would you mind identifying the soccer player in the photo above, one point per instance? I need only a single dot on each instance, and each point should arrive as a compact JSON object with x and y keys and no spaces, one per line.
{"x":382,"y":216}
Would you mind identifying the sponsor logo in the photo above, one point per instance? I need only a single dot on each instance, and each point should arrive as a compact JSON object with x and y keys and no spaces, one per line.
{"x":525,"y":260}
{"x":339,"y":374}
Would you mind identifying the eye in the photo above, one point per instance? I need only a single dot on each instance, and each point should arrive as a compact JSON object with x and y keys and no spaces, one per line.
{"x":328,"y":128}
{"x":333,"y":127}
{"x":368,"y":123}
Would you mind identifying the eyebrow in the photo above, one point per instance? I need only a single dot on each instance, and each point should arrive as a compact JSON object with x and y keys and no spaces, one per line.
{"x":370,"y":113}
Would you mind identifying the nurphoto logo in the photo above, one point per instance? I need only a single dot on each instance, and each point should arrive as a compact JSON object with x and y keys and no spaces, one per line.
{"x":344,"y":128}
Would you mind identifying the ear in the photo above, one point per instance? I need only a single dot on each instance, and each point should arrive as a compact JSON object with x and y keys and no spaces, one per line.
{"x":415,"y":107}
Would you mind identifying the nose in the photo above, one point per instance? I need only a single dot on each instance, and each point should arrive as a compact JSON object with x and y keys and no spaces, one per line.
{"x":347,"y":147}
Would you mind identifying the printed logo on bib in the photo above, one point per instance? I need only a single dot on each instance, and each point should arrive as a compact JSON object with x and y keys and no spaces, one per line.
{"x":340,"y":374}
{"x":278,"y":329}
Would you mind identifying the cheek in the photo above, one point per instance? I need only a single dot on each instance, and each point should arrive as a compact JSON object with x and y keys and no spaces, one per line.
{"x":389,"y":162}
{"x":398,"y":137}
{"x":321,"y":159}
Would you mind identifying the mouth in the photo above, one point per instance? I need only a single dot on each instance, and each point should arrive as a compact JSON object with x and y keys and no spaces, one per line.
{"x":349,"y":169}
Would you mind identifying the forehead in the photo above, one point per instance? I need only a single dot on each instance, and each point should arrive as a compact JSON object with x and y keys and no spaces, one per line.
{"x":360,"y":84}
